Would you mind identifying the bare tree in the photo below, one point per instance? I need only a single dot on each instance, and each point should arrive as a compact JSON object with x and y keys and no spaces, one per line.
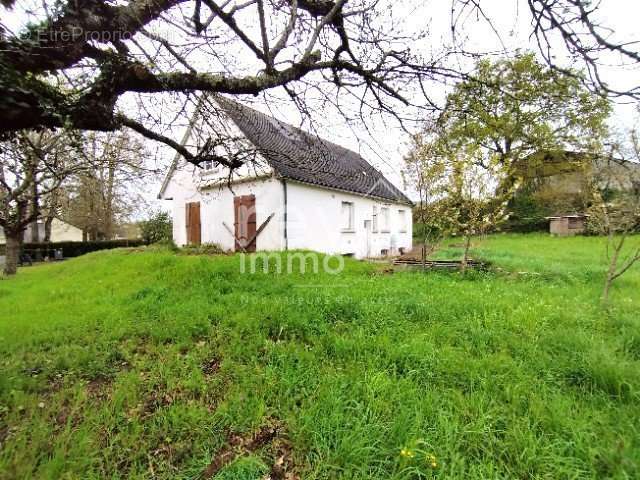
{"x":615,"y":210}
{"x":459,"y":195}
{"x":572,"y":28}
{"x":100,"y":198}
{"x":475,"y":206}
{"x":425,"y":172}
{"x":32,"y":166}
{"x":79,"y":62}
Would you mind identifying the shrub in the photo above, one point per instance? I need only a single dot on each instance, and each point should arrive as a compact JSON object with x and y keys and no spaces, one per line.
{"x":526,"y":215}
{"x":75,"y":249}
{"x":203,"y":249}
{"x":158,"y":228}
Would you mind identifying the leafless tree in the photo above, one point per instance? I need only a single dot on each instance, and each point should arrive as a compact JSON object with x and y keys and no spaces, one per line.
{"x":100,"y":198}
{"x":425,"y":173}
{"x":84,"y":64}
{"x":615,"y":210}
{"x":572,"y":28}
{"x":32,"y":166}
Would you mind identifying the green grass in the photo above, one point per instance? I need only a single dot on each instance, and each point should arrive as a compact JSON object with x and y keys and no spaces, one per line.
{"x":146,"y":364}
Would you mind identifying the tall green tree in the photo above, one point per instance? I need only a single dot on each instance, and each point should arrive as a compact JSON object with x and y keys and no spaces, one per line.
{"x":511,"y":109}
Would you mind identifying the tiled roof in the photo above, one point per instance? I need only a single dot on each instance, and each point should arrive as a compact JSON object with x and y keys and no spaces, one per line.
{"x":298,"y":155}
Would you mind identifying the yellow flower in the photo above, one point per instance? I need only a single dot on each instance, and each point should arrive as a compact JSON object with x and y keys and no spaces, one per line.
{"x":407,"y":453}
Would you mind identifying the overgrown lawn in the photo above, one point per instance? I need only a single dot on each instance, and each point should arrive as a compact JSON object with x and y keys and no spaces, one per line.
{"x":147,"y":364}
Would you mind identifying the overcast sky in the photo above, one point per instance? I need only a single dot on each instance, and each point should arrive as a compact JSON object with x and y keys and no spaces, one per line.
{"x":384,"y":143}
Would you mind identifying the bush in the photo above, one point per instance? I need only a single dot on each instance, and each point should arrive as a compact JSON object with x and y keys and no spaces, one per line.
{"x":203,"y":249}
{"x":158,"y":228}
{"x":526,"y":215}
{"x":75,"y":249}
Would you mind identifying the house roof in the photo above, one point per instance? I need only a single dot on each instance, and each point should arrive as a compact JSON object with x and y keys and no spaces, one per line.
{"x":300,"y":156}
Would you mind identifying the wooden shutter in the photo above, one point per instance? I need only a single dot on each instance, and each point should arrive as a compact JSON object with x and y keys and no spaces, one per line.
{"x":192,"y":212}
{"x":244,"y":208}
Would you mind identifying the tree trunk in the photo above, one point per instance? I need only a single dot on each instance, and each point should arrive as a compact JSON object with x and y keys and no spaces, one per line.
{"x":12,"y":253}
{"x":35,"y":205}
{"x":465,"y":257}
{"x":35,"y":232}
{"x":108,"y":214}
{"x":47,"y":228}
{"x":613,"y":267}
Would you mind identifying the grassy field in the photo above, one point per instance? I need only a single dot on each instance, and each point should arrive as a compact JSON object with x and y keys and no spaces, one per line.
{"x":148,"y":364}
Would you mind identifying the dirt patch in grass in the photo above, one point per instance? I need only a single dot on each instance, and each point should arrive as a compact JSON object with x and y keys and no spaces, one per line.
{"x":55,"y":383}
{"x":155,"y":402}
{"x":283,"y":467}
{"x":270,"y":435}
{"x":65,"y":417}
{"x":4,"y":434}
{"x":211,"y":367}
{"x":99,"y":388}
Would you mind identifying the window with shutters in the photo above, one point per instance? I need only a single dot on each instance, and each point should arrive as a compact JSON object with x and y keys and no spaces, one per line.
{"x":347,"y":217}
{"x":402,"y":221}
{"x":384,"y":220}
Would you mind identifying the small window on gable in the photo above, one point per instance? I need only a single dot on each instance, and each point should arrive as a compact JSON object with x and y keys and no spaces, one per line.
{"x":208,"y":166}
{"x":384,"y":219}
{"x":374,"y":223}
{"x":402,"y":221}
{"x":347,"y":216}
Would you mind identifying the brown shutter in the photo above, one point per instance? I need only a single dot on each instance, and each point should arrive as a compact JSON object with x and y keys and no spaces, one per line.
{"x":250,"y":203}
{"x":192,"y":223}
{"x":236,"y":222}
{"x":244,"y":208}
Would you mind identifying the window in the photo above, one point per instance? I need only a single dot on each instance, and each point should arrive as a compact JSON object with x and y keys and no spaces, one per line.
{"x":375,"y":219}
{"x":208,"y":166}
{"x":402,"y":221}
{"x":347,"y":216}
{"x":384,"y":220}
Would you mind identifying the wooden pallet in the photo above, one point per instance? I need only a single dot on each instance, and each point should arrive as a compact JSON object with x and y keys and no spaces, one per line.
{"x":439,"y":264}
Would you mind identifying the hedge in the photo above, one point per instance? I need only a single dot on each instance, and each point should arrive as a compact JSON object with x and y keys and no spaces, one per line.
{"x":75,"y":249}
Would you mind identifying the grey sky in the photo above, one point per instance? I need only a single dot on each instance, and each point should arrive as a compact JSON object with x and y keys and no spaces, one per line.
{"x":385,"y":144}
{"x":381,"y":141}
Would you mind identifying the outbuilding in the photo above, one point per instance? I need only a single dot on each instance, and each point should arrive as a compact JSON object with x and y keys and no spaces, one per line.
{"x":567,"y":225}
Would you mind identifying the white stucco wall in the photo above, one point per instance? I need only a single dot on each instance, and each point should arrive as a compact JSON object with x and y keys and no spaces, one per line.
{"x":216,"y":207}
{"x":60,"y":232}
{"x":63,"y":232}
{"x":314,"y":219}
{"x":315,"y":223}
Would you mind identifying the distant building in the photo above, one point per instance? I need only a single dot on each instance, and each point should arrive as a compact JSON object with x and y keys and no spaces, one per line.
{"x":60,"y":232}
{"x":567,"y":225}
{"x":557,"y":186}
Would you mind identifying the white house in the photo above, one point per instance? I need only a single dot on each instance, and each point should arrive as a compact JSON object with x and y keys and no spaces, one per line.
{"x":60,"y":232}
{"x":308,"y":193}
